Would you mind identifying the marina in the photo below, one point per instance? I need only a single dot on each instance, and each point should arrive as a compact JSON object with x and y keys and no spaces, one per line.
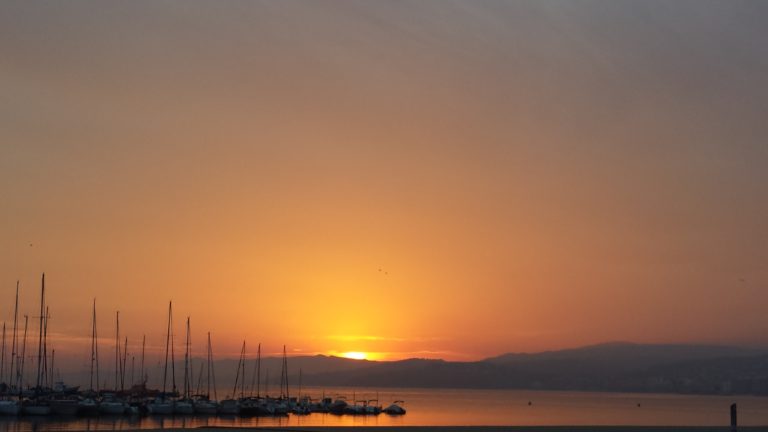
{"x":57,"y":399}
{"x":49,"y":398}
{"x":451,"y":407}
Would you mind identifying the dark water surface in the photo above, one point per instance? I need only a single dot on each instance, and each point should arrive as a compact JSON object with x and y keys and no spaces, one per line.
{"x":461,"y":407}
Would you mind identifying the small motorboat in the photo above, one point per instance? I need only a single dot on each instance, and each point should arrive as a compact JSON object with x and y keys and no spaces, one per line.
{"x":395,"y":409}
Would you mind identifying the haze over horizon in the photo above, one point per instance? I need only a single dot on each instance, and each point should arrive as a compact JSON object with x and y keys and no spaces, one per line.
{"x":439,"y":179}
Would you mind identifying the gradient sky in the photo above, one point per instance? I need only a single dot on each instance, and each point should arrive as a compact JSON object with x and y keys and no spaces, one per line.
{"x":446,"y":179}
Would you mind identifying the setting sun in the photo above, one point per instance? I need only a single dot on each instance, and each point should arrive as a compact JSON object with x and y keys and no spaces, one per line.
{"x":355,"y":355}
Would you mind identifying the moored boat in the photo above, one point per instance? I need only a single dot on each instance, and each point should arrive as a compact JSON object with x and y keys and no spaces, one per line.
{"x":36,"y":407}
{"x":229,"y":407}
{"x":65,"y":407}
{"x":10,"y":407}
{"x":248,"y":407}
{"x":183,"y":407}
{"x":338,"y":406}
{"x":372,"y":407}
{"x":205,"y":406}
{"x":88,"y":407}
{"x":203,"y":403}
{"x":395,"y":409}
{"x":112,"y":407}
{"x":160,"y":406}
{"x":133,"y":409}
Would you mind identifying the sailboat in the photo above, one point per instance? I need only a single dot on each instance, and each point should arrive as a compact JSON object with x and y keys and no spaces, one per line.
{"x":232,"y":405}
{"x":283,"y":405}
{"x":302,"y":404}
{"x":89,"y":406}
{"x":203,"y":404}
{"x":9,"y":405}
{"x":37,"y":405}
{"x":185,"y":405}
{"x":63,"y":400}
{"x":162,"y":404}
{"x":112,"y":404}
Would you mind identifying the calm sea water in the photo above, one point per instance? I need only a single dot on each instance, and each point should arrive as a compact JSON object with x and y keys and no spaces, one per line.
{"x":462,"y":407}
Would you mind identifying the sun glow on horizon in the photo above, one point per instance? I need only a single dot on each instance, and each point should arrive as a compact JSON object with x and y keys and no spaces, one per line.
{"x":356,"y":355}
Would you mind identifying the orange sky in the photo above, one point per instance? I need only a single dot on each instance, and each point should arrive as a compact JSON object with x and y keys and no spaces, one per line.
{"x":433,"y":179}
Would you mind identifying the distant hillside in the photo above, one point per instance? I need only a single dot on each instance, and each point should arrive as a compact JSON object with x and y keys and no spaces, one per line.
{"x":616,"y":358}
{"x":606,"y":367}
{"x":630,"y":354}
{"x":622,"y":367}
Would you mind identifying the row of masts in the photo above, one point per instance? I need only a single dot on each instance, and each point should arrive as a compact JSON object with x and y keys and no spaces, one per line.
{"x":240,"y":376}
{"x":42,"y":399}
{"x":16,"y":372}
{"x":45,"y":372}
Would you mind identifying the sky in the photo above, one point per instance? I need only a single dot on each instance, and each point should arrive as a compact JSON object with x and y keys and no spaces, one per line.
{"x":431,"y":178}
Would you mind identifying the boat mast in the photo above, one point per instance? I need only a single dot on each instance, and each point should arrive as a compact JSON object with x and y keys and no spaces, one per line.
{"x":117,"y":350}
{"x":53,"y":359}
{"x":40,"y":336}
{"x":94,"y":348}
{"x":23,"y":353}
{"x":173,"y":359}
{"x":44,"y":378}
{"x":284,"y":376}
{"x":167,"y":341}
{"x":237,"y":375}
{"x":255,"y":376}
{"x":48,"y":377}
{"x":242,"y":383}
{"x":187,"y":372}
{"x":143,"y":345}
{"x":208,"y":369}
{"x":12,"y":375}
{"x":258,"y":371}
{"x":211,"y":373}
{"x":123,"y":369}
{"x":2,"y":358}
